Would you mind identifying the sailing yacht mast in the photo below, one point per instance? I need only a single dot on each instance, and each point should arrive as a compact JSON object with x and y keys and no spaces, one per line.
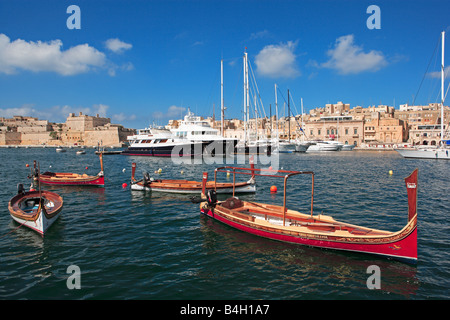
{"x":221,"y":99}
{"x":276,"y":113}
{"x":442,"y":89}
{"x":289,"y":118}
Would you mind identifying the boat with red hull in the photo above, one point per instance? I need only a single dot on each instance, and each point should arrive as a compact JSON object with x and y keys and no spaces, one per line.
{"x":74,"y":179}
{"x":282,"y":224}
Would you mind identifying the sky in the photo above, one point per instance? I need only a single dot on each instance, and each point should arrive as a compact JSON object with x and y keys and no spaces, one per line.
{"x":145,"y":62}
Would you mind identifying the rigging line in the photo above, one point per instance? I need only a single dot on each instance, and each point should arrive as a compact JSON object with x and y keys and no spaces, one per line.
{"x":437,"y":44}
{"x":257,"y":90}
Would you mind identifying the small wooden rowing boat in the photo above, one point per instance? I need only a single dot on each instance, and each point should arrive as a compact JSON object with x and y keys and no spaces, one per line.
{"x":188,"y":186}
{"x":36,"y":210}
{"x":279,"y":223}
{"x":73,"y":179}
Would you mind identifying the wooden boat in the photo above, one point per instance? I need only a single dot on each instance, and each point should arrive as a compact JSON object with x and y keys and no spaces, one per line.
{"x":279,"y":223}
{"x":188,"y":186}
{"x":73,"y":179}
{"x":36,"y":210}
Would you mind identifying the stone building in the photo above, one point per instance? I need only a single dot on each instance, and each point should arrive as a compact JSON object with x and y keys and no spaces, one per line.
{"x":77,"y":130}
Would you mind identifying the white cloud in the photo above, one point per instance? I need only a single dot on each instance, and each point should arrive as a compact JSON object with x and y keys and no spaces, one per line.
{"x":437,"y":74}
{"x":54,"y":114}
{"x":119,"y":118}
{"x":173,"y":112}
{"x":47,"y":56}
{"x":277,"y":61}
{"x":349,"y":58}
{"x":117,"y":45}
{"x":26,"y":110}
{"x":259,"y":35}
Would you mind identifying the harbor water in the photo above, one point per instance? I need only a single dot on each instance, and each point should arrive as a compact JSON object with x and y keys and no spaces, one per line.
{"x":156,"y":246}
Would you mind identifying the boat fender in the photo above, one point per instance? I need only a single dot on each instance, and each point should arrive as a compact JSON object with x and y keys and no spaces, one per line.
{"x":211,"y":197}
{"x":20,"y":189}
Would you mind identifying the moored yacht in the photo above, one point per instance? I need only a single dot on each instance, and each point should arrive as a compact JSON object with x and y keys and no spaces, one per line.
{"x":319,"y":146}
{"x":196,"y":130}
{"x":160,"y":142}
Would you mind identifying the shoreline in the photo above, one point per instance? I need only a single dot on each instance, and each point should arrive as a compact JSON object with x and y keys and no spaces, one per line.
{"x":378,"y":148}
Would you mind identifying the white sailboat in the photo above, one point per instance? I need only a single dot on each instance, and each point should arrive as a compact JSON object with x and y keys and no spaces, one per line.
{"x":430,"y":152}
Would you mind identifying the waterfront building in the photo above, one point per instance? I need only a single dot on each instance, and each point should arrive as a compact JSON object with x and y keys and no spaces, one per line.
{"x":77,"y":130}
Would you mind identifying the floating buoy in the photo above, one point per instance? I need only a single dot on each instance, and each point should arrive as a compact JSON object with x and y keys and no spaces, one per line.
{"x":181,"y":171}
{"x":123,"y":170}
{"x":124,"y":185}
{"x":159,"y":170}
{"x":32,"y":189}
{"x":270,"y":168}
{"x":390,"y":172}
{"x":86,"y":168}
{"x":228,"y":173}
{"x":273,"y":189}
{"x":27,"y":165}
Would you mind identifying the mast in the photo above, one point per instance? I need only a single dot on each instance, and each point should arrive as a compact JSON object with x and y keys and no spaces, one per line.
{"x":221,"y":99}
{"x":289,"y":118}
{"x":245,"y":101}
{"x":442,"y":89}
{"x":301,"y":128}
{"x":276,"y":112}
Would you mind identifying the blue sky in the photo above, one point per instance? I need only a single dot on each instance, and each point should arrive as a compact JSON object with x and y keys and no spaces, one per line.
{"x":140,"y":62}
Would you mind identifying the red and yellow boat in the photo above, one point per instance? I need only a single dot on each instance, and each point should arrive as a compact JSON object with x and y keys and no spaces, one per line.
{"x":74,"y":179}
{"x":282,"y":224}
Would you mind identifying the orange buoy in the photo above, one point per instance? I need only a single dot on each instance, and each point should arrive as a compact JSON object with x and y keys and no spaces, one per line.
{"x":86,"y":168}
{"x":273,"y":189}
{"x":124,"y":185}
{"x":27,"y":165}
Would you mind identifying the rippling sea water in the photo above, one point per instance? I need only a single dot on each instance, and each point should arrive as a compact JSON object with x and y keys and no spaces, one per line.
{"x":135,"y":245}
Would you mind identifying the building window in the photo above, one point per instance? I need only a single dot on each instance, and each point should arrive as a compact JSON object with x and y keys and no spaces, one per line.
{"x":355,"y":130}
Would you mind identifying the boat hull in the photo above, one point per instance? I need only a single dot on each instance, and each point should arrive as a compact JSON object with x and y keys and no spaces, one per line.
{"x":179,"y":150}
{"x":322,"y":147}
{"x":425,"y":153}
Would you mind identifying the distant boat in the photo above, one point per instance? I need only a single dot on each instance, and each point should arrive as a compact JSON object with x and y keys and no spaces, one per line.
{"x":81,"y":152}
{"x":60,"y":149}
{"x":286,"y":146}
{"x":427,"y":152}
{"x":319,"y":146}
{"x":73,"y":179}
{"x":348,"y":147}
